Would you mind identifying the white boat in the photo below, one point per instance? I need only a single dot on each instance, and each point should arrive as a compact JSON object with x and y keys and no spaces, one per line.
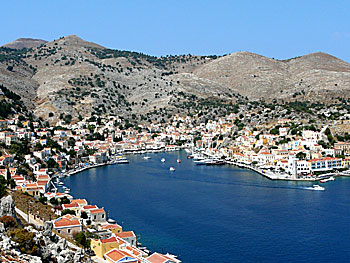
{"x":178,"y":160}
{"x":328,"y":179}
{"x":162,"y":160}
{"x":61,"y":183}
{"x":121,"y":160}
{"x":146,"y":157}
{"x":203,"y":161}
{"x":66,"y":191}
{"x":172,"y":169}
{"x":316,"y":187}
{"x":111,"y":221}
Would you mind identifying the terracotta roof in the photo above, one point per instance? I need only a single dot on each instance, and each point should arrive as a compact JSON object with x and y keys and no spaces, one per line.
{"x":97,"y":211}
{"x":79,"y":201}
{"x":126,"y":234}
{"x":70,"y":206}
{"x":110,"y":226}
{"x":158,"y":258}
{"x":66,"y":221}
{"x":116,"y":255}
{"x":87,"y":207}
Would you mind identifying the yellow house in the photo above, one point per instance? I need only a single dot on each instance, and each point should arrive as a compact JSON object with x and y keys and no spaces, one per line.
{"x":114,"y":228}
{"x":346,"y":162}
{"x":32,"y":189}
{"x":102,"y":246}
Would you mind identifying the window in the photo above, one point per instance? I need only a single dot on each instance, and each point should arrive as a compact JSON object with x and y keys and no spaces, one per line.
{"x":69,"y":230}
{"x":103,"y":216}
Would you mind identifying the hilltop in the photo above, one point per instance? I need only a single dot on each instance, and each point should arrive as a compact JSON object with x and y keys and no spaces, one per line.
{"x":25,"y":43}
{"x":70,"y":78}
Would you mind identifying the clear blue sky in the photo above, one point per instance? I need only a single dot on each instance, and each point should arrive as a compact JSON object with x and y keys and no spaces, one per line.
{"x":279,"y":29}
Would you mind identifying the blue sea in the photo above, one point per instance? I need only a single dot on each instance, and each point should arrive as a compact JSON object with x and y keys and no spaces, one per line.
{"x":220,"y":213}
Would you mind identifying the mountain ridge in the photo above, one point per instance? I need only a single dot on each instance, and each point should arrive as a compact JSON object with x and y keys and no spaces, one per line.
{"x":71,"y":76}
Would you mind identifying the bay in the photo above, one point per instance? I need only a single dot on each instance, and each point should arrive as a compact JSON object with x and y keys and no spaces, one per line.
{"x":220,"y":213}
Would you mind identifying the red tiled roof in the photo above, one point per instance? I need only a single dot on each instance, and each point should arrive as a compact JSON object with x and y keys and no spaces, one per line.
{"x":126,"y":234}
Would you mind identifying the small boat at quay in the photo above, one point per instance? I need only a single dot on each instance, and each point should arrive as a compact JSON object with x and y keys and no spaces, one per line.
{"x":327,"y":179}
{"x":162,"y":160}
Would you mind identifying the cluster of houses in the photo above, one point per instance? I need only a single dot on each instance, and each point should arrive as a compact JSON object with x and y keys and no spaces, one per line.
{"x":298,"y":155}
{"x":111,"y":242}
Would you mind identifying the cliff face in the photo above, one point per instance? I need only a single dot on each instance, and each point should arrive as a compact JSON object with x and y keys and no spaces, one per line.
{"x":7,"y":206}
{"x":74,"y":77}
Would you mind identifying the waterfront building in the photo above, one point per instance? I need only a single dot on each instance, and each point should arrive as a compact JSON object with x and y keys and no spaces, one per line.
{"x":114,"y":228}
{"x":67,"y":225}
{"x":128,"y":236}
{"x":102,"y":246}
{"x":117,"y":255}
{"x":325,"y":164}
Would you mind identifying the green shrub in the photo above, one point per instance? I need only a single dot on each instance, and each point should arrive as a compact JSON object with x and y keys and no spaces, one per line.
{"x":25,"y":241}
{"x":8,"y":221}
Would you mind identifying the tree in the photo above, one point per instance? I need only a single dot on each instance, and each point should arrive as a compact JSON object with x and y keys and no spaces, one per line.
{"x":11,"y":183}
{"x":84,"y":215}
{"x":301,"y":155}
{"x":8,"y":221}
{"x":54,"y":201}
{"x":67,"y":212}
{"x":81,"y":239}
{"x":65,"y":200}
{"x":2,"y":186}
{"x":43,"y":200}
{"x":51,"y":163}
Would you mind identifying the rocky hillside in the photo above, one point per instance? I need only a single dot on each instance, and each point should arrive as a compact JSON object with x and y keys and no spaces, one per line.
{"x":71,"y":78}
{"x":314,"y":77}
{"x":25,"y":43}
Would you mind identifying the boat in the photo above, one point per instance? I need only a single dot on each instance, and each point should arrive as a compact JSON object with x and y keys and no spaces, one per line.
{"x":61,"y":183}
{"x":162,"y":160}
{"x":327,"y":179}
{"x":202,"y":162}
{"x":121,"y":160}
{"x":316,"y":187}
{"x":147,"y":157}
{"x":66,"y":191}
{"x":172,"y":169}
{"x":178,"y":160}
{"x":215,"y":162}
{"x":111,"y":221}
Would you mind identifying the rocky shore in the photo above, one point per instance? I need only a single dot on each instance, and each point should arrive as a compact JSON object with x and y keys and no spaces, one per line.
{"x":44,"y":245}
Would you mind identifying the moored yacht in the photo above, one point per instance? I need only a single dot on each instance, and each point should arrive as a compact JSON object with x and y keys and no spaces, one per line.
{"x":327,"y":179}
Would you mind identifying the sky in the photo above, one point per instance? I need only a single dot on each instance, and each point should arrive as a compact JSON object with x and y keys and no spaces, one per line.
{"x":276,"y":29}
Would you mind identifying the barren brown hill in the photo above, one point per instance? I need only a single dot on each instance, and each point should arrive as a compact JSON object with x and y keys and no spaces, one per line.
{"x":25,"y":43}
{"x":69,"y":77}
{"x":315,"y":77}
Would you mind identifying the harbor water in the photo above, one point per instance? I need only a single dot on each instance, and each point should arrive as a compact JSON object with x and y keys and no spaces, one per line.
{"x":220,"y":213}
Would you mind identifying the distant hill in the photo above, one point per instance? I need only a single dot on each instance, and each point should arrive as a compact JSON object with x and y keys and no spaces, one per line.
{"x":314,"y":77}
{"x":69,"y":77}
{"x":25,"y":43}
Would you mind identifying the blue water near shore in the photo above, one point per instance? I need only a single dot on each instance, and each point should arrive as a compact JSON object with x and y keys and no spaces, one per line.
{"x":220,"y":214}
